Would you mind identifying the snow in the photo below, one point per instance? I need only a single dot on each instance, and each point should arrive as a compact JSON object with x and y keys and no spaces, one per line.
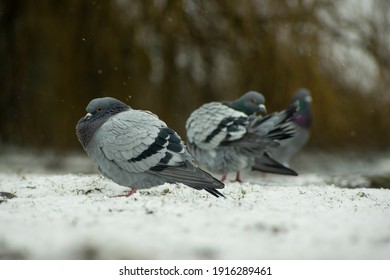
{"x":59,"y":215}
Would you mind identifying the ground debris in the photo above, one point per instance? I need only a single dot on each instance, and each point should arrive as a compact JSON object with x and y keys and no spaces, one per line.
{"x":89,"y":191}
{"x":7,"y":195}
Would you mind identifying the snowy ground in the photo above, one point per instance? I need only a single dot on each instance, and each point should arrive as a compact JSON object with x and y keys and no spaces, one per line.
{"x":62,"y":214}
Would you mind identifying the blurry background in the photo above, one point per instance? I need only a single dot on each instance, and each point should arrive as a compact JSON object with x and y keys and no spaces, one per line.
{"x":172,"y":56}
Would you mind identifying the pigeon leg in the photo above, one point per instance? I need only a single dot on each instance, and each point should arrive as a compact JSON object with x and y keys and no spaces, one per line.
{"x":223,"y":177}
{"x":238,"y":179}
{"x":131,"y":192}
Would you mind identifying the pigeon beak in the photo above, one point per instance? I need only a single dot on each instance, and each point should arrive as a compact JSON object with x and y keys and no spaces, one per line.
{"x":308,"y":99}
{"x":88,"y":116}
{"x":262,"y":109}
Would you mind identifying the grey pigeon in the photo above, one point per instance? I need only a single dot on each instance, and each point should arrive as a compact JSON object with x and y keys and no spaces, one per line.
{"x":134,"y":148}
{"x":302,"y":121}
{"x":226,"y":140}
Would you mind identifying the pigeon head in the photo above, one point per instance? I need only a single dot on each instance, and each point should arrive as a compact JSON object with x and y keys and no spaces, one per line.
{"x":250,"y":103}
{"x":303,"y":116}
{"x":99,"y":110}
{"x":106,"y":106}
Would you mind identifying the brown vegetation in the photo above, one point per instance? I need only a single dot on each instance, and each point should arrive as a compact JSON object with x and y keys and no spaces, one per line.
{"x":171,"y":56}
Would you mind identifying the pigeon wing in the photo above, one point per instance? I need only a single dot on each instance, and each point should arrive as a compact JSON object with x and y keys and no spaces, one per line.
{"x":134,"y":140}
{"x":276,"y":126}
{"x":214,"y":124}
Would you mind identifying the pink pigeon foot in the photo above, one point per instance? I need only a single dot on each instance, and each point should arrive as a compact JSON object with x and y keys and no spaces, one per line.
{"x":131,"y":192}
{"x":238,"y":179}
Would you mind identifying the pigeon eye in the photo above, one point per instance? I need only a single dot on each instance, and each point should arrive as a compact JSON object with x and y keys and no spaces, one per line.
{"x":253,"y":100}
{"x":99,"y":109}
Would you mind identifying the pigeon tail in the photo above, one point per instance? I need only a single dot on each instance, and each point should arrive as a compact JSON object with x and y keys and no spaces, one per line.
{"x":267,"y":164}
{"x":192,"y":176}
{"x":214,"y":192}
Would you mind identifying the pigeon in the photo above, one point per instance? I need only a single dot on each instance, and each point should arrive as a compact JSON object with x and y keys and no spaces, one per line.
{"x":135,"y":149}
{"x":224,"y":139}
{"x":302,"y":121}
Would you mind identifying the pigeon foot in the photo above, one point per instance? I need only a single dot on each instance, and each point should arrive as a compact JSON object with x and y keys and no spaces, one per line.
{"x":131,"y":192}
